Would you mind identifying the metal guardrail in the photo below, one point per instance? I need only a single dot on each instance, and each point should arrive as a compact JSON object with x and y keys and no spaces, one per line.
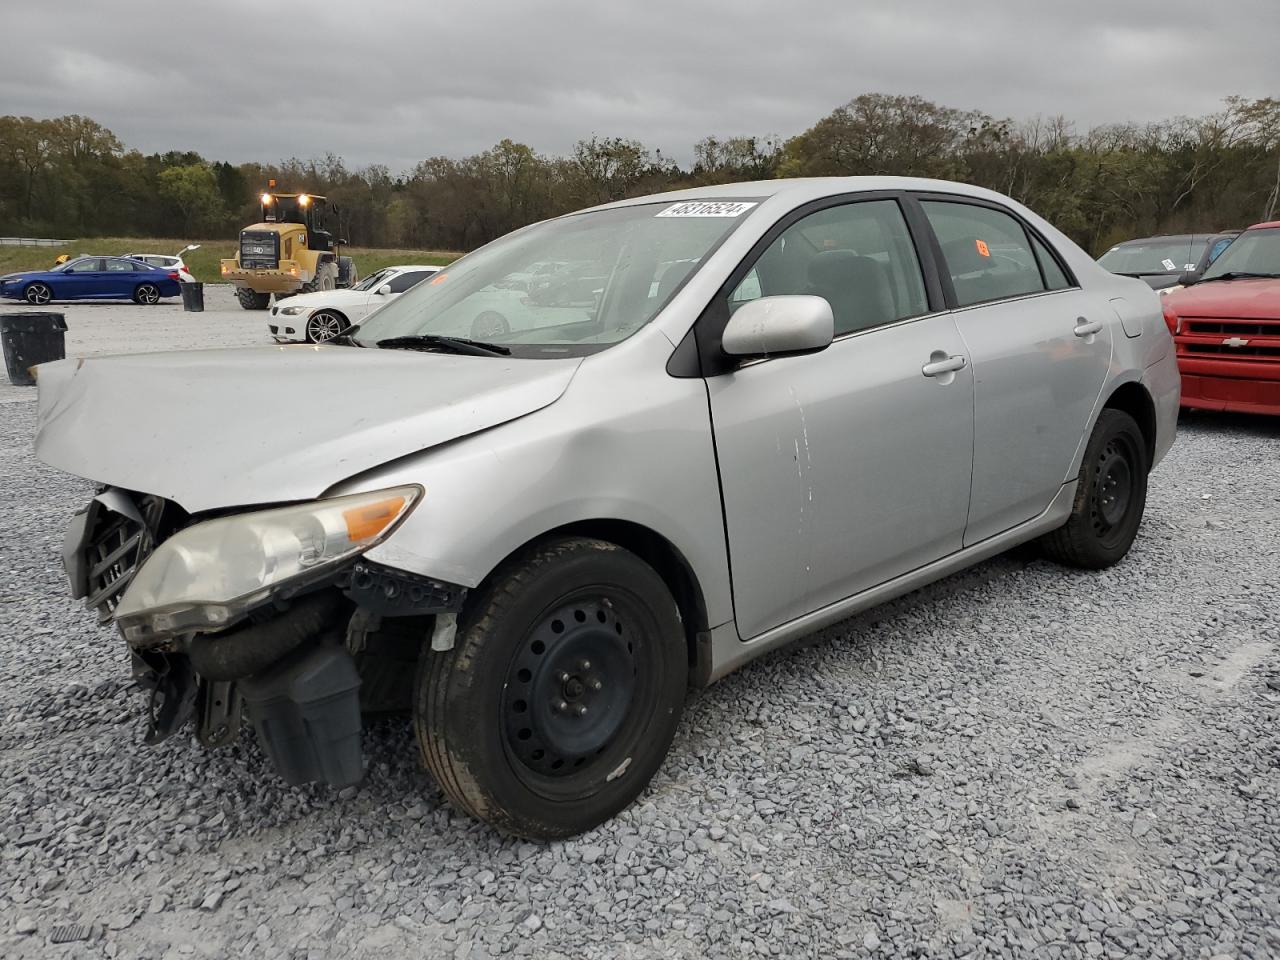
{"x":32,"y":242}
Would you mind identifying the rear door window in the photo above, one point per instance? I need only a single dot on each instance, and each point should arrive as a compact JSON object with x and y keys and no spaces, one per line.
{"x":986,"y":251}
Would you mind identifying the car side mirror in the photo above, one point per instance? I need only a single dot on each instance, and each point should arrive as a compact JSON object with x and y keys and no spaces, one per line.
{"x":1189,"y":277}
{"x":776,"y":326}
{"x":384,"y":290}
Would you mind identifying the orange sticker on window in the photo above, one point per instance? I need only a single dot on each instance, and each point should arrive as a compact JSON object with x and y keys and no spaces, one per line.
{"x":983,"y":250}
{"x":438,"y":279}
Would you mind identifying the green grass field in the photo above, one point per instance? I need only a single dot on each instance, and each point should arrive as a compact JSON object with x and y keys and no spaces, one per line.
{"x":203,"y":262}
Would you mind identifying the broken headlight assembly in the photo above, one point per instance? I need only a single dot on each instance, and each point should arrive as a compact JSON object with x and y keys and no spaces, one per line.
{"x":208,"y":575}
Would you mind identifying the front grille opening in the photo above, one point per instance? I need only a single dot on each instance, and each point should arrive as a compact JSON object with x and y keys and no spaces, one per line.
{"x":1248,"y":351}
{"x":259,"y":249}
{"x":119,"y":544}
{"x":1227,"y":328}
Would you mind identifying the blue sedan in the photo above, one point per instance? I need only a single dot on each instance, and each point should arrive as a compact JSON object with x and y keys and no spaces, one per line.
{"x":93,"y":278}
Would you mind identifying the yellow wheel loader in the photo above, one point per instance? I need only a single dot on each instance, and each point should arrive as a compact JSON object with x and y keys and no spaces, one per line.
{"x":288,"y":252}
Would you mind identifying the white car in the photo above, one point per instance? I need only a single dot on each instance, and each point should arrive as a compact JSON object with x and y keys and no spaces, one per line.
{"x":168,"y":263}
{"x":319,"y":316}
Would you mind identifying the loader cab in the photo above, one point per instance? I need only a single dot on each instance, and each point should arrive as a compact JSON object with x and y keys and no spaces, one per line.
{"x":305,"y":209}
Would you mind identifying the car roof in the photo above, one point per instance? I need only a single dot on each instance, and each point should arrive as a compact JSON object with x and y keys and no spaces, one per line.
{"x":1165,"y":237}
{"x":805,"y":188}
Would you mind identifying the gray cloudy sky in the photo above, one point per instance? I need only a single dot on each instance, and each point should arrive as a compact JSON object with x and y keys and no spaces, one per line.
{"x":393,"y":81}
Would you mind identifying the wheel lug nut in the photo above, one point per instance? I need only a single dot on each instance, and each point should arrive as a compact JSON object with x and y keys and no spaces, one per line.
{"x":596,"y":685}
{"x":561,"y":707}
{"x":585,"y":665}
{"x":564,"y":677}
{"x":582,"y":709}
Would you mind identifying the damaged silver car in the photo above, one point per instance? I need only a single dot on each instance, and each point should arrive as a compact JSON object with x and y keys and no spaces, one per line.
{"x":736,"y":415}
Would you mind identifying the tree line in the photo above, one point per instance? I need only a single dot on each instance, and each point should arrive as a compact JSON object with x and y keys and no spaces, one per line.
{"x":72,"y":177}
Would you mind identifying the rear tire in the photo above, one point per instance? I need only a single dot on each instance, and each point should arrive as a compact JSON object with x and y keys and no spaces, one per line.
{"x":38,"y":294}
{"x":348,"y":275}
{"x":146,"y":294}
{"x":562,"y":693}
{"x":326,"y":278}
{"x":251,"y":299}
{"x":1111,"y":494}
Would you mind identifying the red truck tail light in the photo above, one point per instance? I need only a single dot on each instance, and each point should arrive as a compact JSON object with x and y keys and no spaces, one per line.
{"x":1172,"y":320}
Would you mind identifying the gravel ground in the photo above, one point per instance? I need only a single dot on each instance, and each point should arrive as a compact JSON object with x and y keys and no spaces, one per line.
{"x":1019,"y":761}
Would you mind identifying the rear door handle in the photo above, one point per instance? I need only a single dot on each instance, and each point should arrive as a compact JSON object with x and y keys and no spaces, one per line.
{"x":947,"y":365}
{"x":1087,"y":328}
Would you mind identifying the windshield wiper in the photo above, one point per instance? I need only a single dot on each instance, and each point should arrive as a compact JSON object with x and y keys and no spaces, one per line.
{"x":1241,"y":275}
{"x":431,"y":341}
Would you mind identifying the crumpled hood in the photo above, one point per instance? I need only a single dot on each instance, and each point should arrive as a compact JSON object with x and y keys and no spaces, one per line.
{"x":237,"y":427}
{"x":1245,"y":299}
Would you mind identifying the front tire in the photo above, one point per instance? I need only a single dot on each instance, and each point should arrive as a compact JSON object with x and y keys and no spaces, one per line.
{"x":562,"y":693}
{"x":146,"y":294}
{"x":38,"y":294}
{"x":1111,"y":495}
{"x":251,"y":299}
{"x":325,"y":325}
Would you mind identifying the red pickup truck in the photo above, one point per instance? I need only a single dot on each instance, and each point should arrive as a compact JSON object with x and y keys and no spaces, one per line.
{"x":1226,"y":324}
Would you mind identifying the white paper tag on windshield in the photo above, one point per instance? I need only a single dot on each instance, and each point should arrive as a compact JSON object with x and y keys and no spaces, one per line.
{"x":707,"y":208}
{"x":1168,"y":264}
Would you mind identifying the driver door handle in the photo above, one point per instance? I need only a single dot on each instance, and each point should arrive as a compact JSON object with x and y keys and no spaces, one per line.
{"x":939,"y":367}
{"x":1086,"y":328}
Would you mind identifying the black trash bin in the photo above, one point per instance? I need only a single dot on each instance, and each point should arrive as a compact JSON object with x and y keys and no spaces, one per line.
{"x":31,"y":338}
{"x":193,"y":296}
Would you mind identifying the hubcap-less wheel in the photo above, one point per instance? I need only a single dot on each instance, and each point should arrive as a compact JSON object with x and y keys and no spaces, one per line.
{"x":324,"y":326}
{"x":569,"y":688}
{"x":1113,"y":485}
{"x":1111,"y":494}
{"x":562,"y":692}
{"x":148,"y":294}
{"x":39,"y":294}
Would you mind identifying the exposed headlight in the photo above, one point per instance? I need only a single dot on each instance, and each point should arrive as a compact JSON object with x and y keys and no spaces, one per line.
{"x":294,"y":311}
{"x":207,"y":575}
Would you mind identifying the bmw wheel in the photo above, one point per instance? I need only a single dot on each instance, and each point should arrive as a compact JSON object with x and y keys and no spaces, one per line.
{"x":146,"y":293}
{"x":562,"y":693}
{"x":325,"y":325}
{"x":38,"y":293}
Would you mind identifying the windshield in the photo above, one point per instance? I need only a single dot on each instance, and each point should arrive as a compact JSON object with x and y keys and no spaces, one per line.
{"x":570,"y":286}
{"x":371,"y":282}
{"x":1254,"y":251}
{"x":1154,"y":256}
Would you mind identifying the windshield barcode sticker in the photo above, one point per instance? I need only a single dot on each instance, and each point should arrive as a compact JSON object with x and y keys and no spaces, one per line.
{"x":707,"y":208}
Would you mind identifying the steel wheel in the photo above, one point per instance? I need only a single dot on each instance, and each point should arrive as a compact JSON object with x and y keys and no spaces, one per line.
{"x":1111,"y":494}
{"x":39,"y":294}
{"x":570,"y":688}
{"x":562,"y":692}
{"x":147,"y":293}
{"x":325,"y":325}
{"x":1112,"y":486}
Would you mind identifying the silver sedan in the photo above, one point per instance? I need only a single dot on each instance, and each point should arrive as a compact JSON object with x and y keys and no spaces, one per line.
{"x":726,"y":418}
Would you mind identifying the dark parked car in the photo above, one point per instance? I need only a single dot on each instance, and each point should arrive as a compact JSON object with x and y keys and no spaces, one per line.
{"x":92,"y":278}
{"x":1161,"y":260}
